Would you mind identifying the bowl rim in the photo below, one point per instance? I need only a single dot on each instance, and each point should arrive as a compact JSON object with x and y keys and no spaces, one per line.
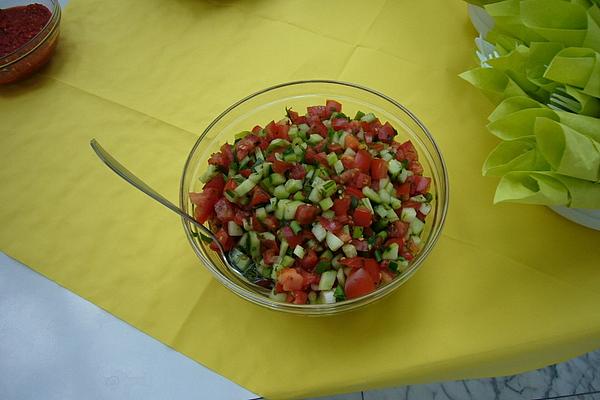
{"x":39,"y":39}
{"x":346,"y":305}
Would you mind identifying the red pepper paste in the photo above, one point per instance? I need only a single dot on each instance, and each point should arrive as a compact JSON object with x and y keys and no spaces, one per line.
{"x":18,"y":25}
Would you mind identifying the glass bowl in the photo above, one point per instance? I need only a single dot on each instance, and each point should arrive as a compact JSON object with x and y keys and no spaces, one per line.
{"x":36,"y":52}
{"x":269,"y":104}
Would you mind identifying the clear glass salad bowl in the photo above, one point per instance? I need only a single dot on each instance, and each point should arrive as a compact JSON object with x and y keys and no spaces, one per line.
{"x":270,"y":104}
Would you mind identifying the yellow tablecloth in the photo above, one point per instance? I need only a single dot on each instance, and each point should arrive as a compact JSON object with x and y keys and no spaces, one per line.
{"x":508,"y":288}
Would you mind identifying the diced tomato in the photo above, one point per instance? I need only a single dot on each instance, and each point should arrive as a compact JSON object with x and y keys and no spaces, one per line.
{"x":218,"y":183}
{"x":295,"y":118}
{"x":347,"y":162}
{"x":282,"y":131}
{"x":257,"y":225}
{"x":224,"y":210}
{"x":362,"y":216}
{"x":353,"y":192}
{"x":309,"y":278}
{"x":298,"y":172}
{"x":310,"y":156}
{"x":306,"y":213}
{"x":352,"y":142}
{"x":322,"y":159}
{"x":333,"y":106}
{"x":292,"y":239}
{"x":359,"y":283}
{"x":377,"y":146}
{"x":348,"y":175}
{"x":270,"y":244}
{"x":415,"y":167}
{"x":411,"y":204}
{"x":386,"y":132}
{"x":335,"y":148}
{"x":290,"y":279}
{"x":339,"y":124}
{"x":421,"y":184}
{"x":281,"y":166}
{"x":403,"y":191}
{"x":271,"y":130}
{"x":321,"y":111}
{"x":362,"y":161}
{"x":259,"y":196}
{"x":331,"y":225}
{"x":354,"y":262}
{"x":245,"y":172}
{"x":271,"y":223}
{"x":205,"y":203}
{"x":387,"y":276}
{"x":372,"y":267}
{"x":226,"y":241}
{"x":269,"y":256}
{"x":397,"y":229}
{"x":256,"y":129}
{"x":408,"y":151}
{"x":300,"y":297}
{"x":379,"y":168}
{"x":240,"y":215}
{"x":245,"y":146}
{"x":407,"y":255}
{"x":341,"y":206}
{"x":343,"y":219}
{"x":309,"y":261}
{"x":362,"y":180}
{"x":223,"y":158}
{"x":318,"y":128}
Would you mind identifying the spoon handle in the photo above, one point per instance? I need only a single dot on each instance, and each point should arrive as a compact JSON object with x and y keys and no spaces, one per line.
{"x":126,"y":174}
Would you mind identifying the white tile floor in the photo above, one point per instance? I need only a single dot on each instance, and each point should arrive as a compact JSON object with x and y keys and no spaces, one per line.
{"x":577,"y":379}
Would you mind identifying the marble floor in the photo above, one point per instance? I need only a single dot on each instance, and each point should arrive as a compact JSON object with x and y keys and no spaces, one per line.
{"x":576,"y":379}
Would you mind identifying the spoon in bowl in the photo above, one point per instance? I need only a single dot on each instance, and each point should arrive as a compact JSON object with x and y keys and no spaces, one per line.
{"x":260,"y":284}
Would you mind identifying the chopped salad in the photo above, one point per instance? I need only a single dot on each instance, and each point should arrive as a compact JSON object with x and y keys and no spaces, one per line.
{"x":321,"y":207}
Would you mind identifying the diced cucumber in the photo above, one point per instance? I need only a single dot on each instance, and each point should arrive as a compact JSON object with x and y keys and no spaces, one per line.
{"x":416,"y":239}
{"x":327,"y":279}
{"x":275,"y":143}
{"x":283,"y":248}
{"x":329,"y":214}
{"x":408,"y":214}
{"x":419,"y":198}
{"x":335,"y":262}
{"x":299,"y":196}
{"x":326,"y":203}
{"x":425,"y":208}
{"x":370,"y":117}
{"x":386,"y":156}
{"x":349,"y":250}
{"x":234,"y":229}
{"x":342,"y":139}
{"x":391,"y":253}
{"x":390,"y":189}
{"x":322,"y":266}
{"x":210,"y":173}
{"x":326,"y":297}
{"x":309,"y":174}
{"x":381,"y":211}
{"x":349,"y":152}
{"x":371,"y":194}
{"x":385,"y":196}
{"x":328,"y":189}
{"x":254,"y":245}
{"x":357,"y":232}
{"x":246,"y":186}
{"x":280,"y":192}
{"x":367,"y":203}
{"x":303,"y":128}
{"x":266,"y":236}
{"x":319,"y":232}
{"x":333,"y":242}
{"x":293,"y":185}
{"x":315,"y":195}
{"x":230,"y":195}
{"x":299,"y":251}
{"x":312,"y":297}
{"x":243,"y":243}
{"x":378,"y":256}
{"x":280,"y":209}
{"x":244,"y":162}
{"x":296,"y":228}
{"x":338,"y":167}
{"x":314,"y":139}
{"x":276,"y":179}
{"x":346,"y":229}
{"x":327,"y":255}
{"x":331,"y":159}
{"x":391,"y":215}
{"x":247,"y":225}
{"x":259,"y":154}
{"x":261,"y":214}
{"x":287,"y":261}
{"x":416,"y":226}
{"x":280,"y":297}
{"x":394,"y":167}
{"x":383,"y":183}
{"x":293,"y":131}
{"x":239,"y":259}
{"x":341,"y":277}
{"x":404,"y":174}
{"x":395,"y":203}
{"x":290,"y":209}
{"x":291,"y":157}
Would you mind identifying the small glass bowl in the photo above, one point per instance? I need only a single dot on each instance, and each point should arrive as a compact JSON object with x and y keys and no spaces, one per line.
{"x":36,"y":52}
{"x":269,"y":104}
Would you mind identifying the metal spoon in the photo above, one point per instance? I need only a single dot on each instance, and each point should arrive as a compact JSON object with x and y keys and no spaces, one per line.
{"x":261,"y":285}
